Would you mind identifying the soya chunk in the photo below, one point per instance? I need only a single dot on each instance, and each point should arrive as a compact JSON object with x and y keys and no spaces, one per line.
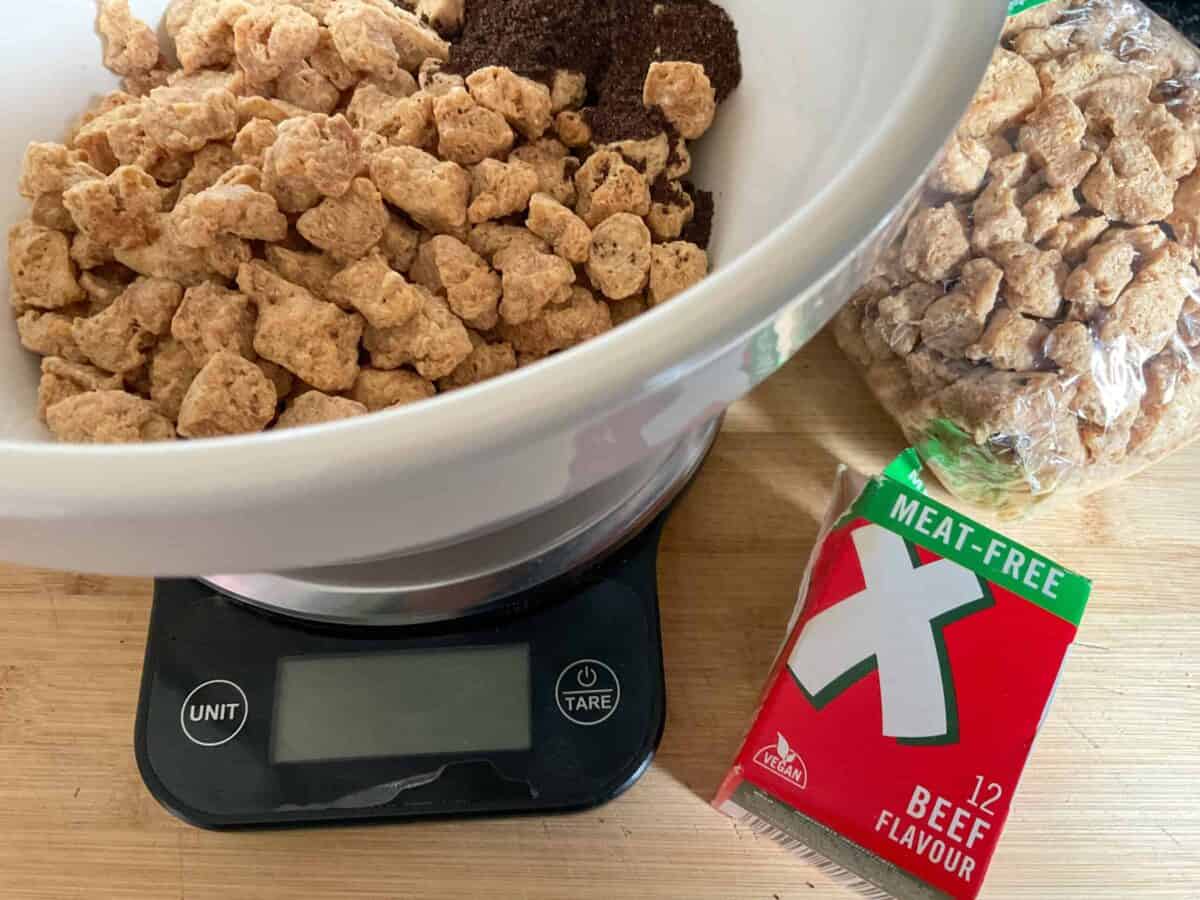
{"x":674,"y":268}
{"x":525,"y":104}
{"x":228,"y":209}
{"x":1128,"y":184}
{"x":378,"y":389}
{"x":379,"y":39}
{"x":572,"y":128}
{"x":406,"y":121}
{"x":936,"y":245}
{"x":39,"y":263}
{"x":312,"y":271}
{"x":203,"y":31}
{"x":121,"y":210}
{"x":168,"y":258}
{"x":1011,"y":341}
{"x":270,"y":40}
{"x":532,"y":281}
{"x":568,"y":90}
{"x":172,"y":370}
{"x":620,"y":257}
{"x":489,"y":239}
{"x":434,"y":193}
{"x":320,"y":151}
{"x":251,"y":144}
{"x":956,"y":321}
{"x":1033,"y":279}
{"x":307,"y":88}
{"x":449,"y":267}
{"x":108,"y":417}
{"x":486,"y":361}
{"x":671,"y":211}
{"x":399,"y":244}
{"x":311,"y":338}
{"x":316,"y":408}
{"x":62,"y":379}
{"x":212,"y":319}
{"x":581,"y":318}
{"x":469,"y":133}
{"x":130,"y":46}
{"x":500,"y":189}
{"x":382,"y":296}
{"x":1053,"y":136}
{"x":214,"y":160}
{"x":434,"y":342}
{"x":1099,"y":281}
{"x":562,"y":229}
{"x":230,"y":395}
{"x":1146,"y":316}
{"x":684,"y":94}
{"x":608,"y":185}
{"x":1010,"y":89}
{"x":180,"y":118}
{"x":444,"y":15}
{"x":49,"y":334}
{"x":1070,"y":346}
{"x":554,"y":165}
{"x":52,"y":169}
{"x":347,"y":227}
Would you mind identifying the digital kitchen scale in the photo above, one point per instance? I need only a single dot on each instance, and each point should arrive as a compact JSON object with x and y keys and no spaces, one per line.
{"x":547,"y":699}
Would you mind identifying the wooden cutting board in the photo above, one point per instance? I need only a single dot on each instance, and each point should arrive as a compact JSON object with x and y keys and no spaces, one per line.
{"x":1110,"y":806}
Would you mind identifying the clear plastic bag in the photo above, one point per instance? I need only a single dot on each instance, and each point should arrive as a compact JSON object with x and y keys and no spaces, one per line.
{"x":1035,"y":328}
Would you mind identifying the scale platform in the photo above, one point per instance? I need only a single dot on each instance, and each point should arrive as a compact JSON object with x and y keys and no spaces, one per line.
{"x":547,"y":699}
{"x":248,"y":719}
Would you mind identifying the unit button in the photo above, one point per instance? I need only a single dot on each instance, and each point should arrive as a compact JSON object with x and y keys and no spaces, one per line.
{"x":588,"y":692}
{"x":213,"y":713}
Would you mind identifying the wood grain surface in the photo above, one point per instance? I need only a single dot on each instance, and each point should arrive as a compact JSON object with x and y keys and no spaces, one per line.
{"x":1109,"y":807}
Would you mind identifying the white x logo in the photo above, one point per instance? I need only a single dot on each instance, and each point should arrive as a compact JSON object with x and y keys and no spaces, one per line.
{"x":892,"y":622}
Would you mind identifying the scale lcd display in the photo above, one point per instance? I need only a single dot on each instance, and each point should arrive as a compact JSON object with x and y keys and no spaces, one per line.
{"x":460,"y":700}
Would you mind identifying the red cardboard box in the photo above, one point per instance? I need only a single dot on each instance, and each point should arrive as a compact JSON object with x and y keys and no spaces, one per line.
{"x":899,"y":715}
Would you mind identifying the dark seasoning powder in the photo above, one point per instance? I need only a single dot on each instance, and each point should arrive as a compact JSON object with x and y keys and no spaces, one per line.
{"x":613,"y":43}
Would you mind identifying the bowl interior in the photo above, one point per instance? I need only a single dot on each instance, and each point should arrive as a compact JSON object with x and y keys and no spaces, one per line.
{"x":820,"y":80}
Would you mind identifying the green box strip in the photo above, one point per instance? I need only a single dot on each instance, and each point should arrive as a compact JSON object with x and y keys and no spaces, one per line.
{"x":890,"y":502}
{"x":1019,"y":6}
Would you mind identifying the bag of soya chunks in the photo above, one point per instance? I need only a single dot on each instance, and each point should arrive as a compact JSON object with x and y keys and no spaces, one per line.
{"x":1035,"y":326}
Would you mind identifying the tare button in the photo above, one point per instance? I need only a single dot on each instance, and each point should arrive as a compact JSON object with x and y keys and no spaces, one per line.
{"x":588,"y":692}
{"x":214,"y":713}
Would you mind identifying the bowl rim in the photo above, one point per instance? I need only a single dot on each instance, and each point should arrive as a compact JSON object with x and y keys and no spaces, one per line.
{"x":663,"y":344}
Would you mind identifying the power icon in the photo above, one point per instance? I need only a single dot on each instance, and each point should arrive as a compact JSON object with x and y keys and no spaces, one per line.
{"x":587,"y":692}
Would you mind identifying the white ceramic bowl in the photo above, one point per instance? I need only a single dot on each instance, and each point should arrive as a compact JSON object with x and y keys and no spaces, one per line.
{"x":843,"y":108}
